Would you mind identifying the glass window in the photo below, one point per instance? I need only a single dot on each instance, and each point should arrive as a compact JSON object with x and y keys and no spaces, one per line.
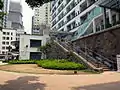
{"x":11,"y":38}
{"x":35,"y":43}
{"x":4,"y":33}
{"x":7,"y":43}
{"x":8,"y":33}
{"x":7,"y":38}
{"x":3,"y":52}
{"x":11,"y":33}
{"x":3,"y":47}
{"x":3,"y":38}
{"x":3,"y":43}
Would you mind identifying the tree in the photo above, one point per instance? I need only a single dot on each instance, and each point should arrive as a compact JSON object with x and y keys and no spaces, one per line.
{"x":1,"y":4}
{"x":45,"y":49}
{"x":37,"y":3}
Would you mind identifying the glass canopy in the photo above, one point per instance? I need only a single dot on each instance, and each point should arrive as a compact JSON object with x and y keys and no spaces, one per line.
{"x":110,"y":4}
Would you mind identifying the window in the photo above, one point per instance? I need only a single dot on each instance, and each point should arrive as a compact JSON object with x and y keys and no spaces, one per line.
{"x":3,"y":52}
{"x":11,"y":38}
{"x":11,"y":33}
{"x":7,"y":38}
{"x":3,"y":43}
{"x":35,"y":55}
{"x":3,"y":47}
{"x":7,"y":43}
{"x":35,"y":43}
{"x":4,"y":33}
{"x":8,"y":33}
{"x":3,"y":38}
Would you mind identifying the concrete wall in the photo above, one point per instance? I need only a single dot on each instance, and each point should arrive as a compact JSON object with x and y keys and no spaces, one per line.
{"x":105,"y":43}
{"x":25,"y":41}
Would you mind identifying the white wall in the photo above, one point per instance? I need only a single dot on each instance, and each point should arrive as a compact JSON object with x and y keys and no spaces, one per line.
{"x":12,"y":37}
{"x":40,"y":15}
{"x":25,"y":40}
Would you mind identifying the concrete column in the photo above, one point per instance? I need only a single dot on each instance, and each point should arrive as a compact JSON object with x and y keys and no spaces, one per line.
{"x":117,"y":16}
{"x":110,"y":17}
{"x":94,"y":26}
{"x":104,"y":17}
{"x":87,"y":3}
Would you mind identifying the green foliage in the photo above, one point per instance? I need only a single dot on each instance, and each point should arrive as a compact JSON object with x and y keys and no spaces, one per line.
{"x":45,"y":49}
{"x":1,"y":4}
{"x":52,"y":64}
{"x":22,"y":62}
{"x":37,"y":3}
{"x":60,"y":65}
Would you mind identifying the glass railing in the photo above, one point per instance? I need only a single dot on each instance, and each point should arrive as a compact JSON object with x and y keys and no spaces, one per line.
{"x":82,"y":29}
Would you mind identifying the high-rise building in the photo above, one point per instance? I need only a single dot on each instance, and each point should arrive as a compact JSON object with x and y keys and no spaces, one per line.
{"x":5,"y":10}
{"x":15,"y":16}
{"x":81,"y":17}
{"x":41,"y":17}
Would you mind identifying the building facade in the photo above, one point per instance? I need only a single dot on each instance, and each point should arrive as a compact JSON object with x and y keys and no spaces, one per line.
{"x":41,"y":17}
{"x":6,"y":38}
{"x":29,"y":45}
{"x":81,"y":17}
{"x":14,"y":19}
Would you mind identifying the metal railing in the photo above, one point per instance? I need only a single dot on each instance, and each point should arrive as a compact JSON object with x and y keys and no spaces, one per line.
{"x":91,"y":56}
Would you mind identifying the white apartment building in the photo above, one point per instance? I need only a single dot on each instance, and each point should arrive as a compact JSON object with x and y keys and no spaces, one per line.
{"x":41,"y":19}
{"x":42,"y":15}
{"x":6,"y":38}
{"x":80,"y":17}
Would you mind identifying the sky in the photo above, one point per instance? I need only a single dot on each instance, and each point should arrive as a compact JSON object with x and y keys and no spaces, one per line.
{"x":27,"y":15}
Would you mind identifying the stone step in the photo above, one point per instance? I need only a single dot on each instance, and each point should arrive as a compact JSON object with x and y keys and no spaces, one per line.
{"x":106,"y":70}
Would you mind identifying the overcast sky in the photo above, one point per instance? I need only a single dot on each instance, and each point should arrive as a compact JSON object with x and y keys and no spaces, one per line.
{"x":27,"y":15}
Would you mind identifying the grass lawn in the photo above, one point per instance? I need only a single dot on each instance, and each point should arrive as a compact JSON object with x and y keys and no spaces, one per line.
{"x":46,"y":67}
{"x":34,"y":69}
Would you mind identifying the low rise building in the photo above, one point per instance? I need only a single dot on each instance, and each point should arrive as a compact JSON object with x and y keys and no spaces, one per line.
{"x":29,"y":45}
{"x":6,"y":38}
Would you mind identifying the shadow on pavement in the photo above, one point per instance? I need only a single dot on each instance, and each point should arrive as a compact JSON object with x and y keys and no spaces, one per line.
{"x":23,"y":83}
{"x":105,"y":86}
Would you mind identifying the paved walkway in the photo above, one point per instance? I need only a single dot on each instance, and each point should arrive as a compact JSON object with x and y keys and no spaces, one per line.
{"x":2,"y":63}
{"x":19,"y":81}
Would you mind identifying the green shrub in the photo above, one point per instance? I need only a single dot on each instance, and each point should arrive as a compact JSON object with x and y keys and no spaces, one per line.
{"x":52,"y":64}
{"x":22,"y":62}
{"x":60,"y":65}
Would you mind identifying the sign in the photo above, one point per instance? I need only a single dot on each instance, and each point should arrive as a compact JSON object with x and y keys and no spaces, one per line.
{"x":118,"y":63}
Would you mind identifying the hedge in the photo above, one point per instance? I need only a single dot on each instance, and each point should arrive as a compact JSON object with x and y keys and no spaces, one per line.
{"x":22,"y":62}
{"x":52,"y":64}
{"x":60,"y":65}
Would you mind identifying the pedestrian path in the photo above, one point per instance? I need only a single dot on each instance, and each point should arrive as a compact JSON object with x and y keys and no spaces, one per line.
{"x":1,"y":63}
{"x":20,"y":81}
